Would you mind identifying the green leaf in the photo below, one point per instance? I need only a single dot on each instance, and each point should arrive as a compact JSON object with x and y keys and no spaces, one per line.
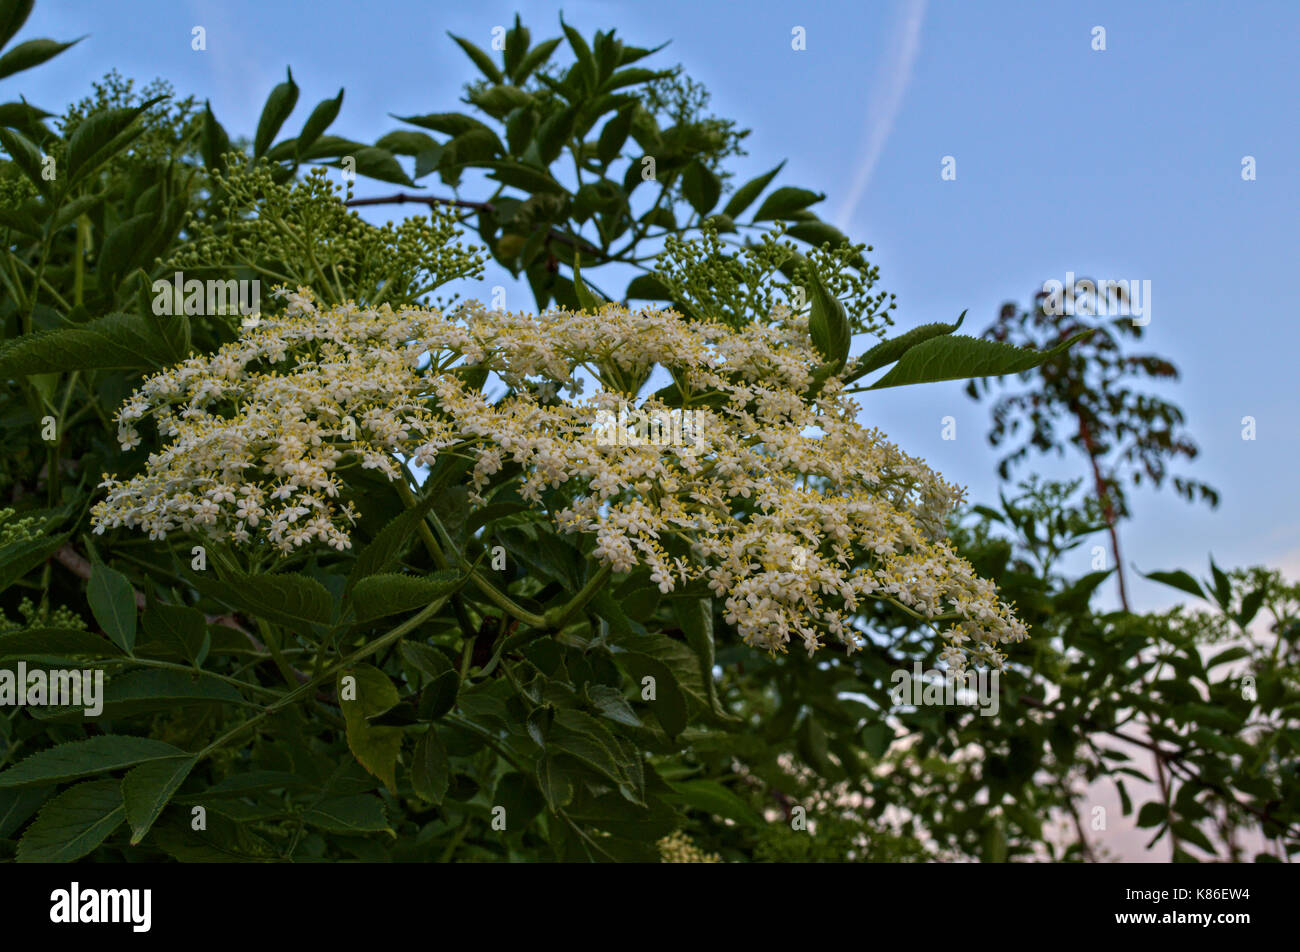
{"x":714,"y":798}
{"x":783,"y":203}
{"x":1178,"y":579}
{"x":586,"y":62}
{"x":29,"y":54}
{"x":99,"y":137}
{"x":84,"y":757}
{"x":523,"y":177}
{"x":295,"y":601}
{"x":371,"y":694}
{"x":817,"y":233}
{"x":440,"y":695}
{"x":277,"y":109}
{"x":13,"y":14}
{"x":448,"y":123}
{"x":378,"y":595}
{"x":124,"y":247}
{"x":112,"y":601}
{"x":614,"y":135}
{"x":701,"y":186}
{"x":180,"y":628}
{"x":326,"y":111}
{"x":582,"y":736}
{"x":215,"y":142}
{"x":430,"y":768}
{"x":556,"y":783}
{"x":147,"y":789}
{"x":150,"y":691}
{"x":647,"y":287}
{"x":1152,"y":814}
{"x":1223,"y":657}
{"x":695,"y":618}
{"x":378,"y":164}
{"x":17,"y":806}
{"x":19,"y":557}
{"x":669,"y":703}
{"x":406,"y":142}
{"x":590,"y":303}
{"x":481,"y":59}
{"x":535,"y":57}
{"x":115,"y":342}
{"x":521,"y":800}
{"x":745,"y":195}
{"x":611,"y":703}
{"x":73,"y":823}
{"x":1078,"y":595}
{"x":56,"y":642}
{"x":359,"y":813}
{"x":27,"y":157}
{"x":888,"y":351}
{"x":828,"y":325}
{"x":1250,"y":605}
{"x":960,"y":358}
{"x":1222,"y":587}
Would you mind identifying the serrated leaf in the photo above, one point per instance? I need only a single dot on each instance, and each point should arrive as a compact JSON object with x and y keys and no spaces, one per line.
{"x":376,"y":596}
{"x":714,"y":798}
{"x":114,"y":342}
{"x":960,"y":358}
{"x":148,"y":691}
{"x":359,"y":813}
{"x":73,"y":823}
{"x":295,"y":601}
{"x":26,"y":156}
{"x":56,"y":642}
{"x":99,"y":137}
{"x":17,"y":806}
{"x":181,"y":628}
{"x":19,"y":557}
{"x":112,"y":601}
{"x":888,"y":351}
{"x":84,"y":757}
{"x":611,"y":704}
{"x":430,"y":768}
{"x":146,"y":789}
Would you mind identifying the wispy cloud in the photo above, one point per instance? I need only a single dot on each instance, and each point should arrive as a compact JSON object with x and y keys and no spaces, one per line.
{"x":886,"y":99}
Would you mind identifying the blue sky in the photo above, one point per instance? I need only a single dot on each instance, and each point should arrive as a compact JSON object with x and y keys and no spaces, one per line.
{"x":1120,"y":164}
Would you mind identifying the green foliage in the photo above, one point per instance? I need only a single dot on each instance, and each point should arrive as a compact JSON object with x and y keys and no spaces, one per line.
{"x":400,"y":700}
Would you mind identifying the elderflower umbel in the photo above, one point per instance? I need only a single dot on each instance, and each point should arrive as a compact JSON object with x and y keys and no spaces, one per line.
{"x":790,"y":511}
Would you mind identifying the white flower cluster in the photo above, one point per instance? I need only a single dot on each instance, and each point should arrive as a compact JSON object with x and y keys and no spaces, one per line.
{"x":792,"y":512}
